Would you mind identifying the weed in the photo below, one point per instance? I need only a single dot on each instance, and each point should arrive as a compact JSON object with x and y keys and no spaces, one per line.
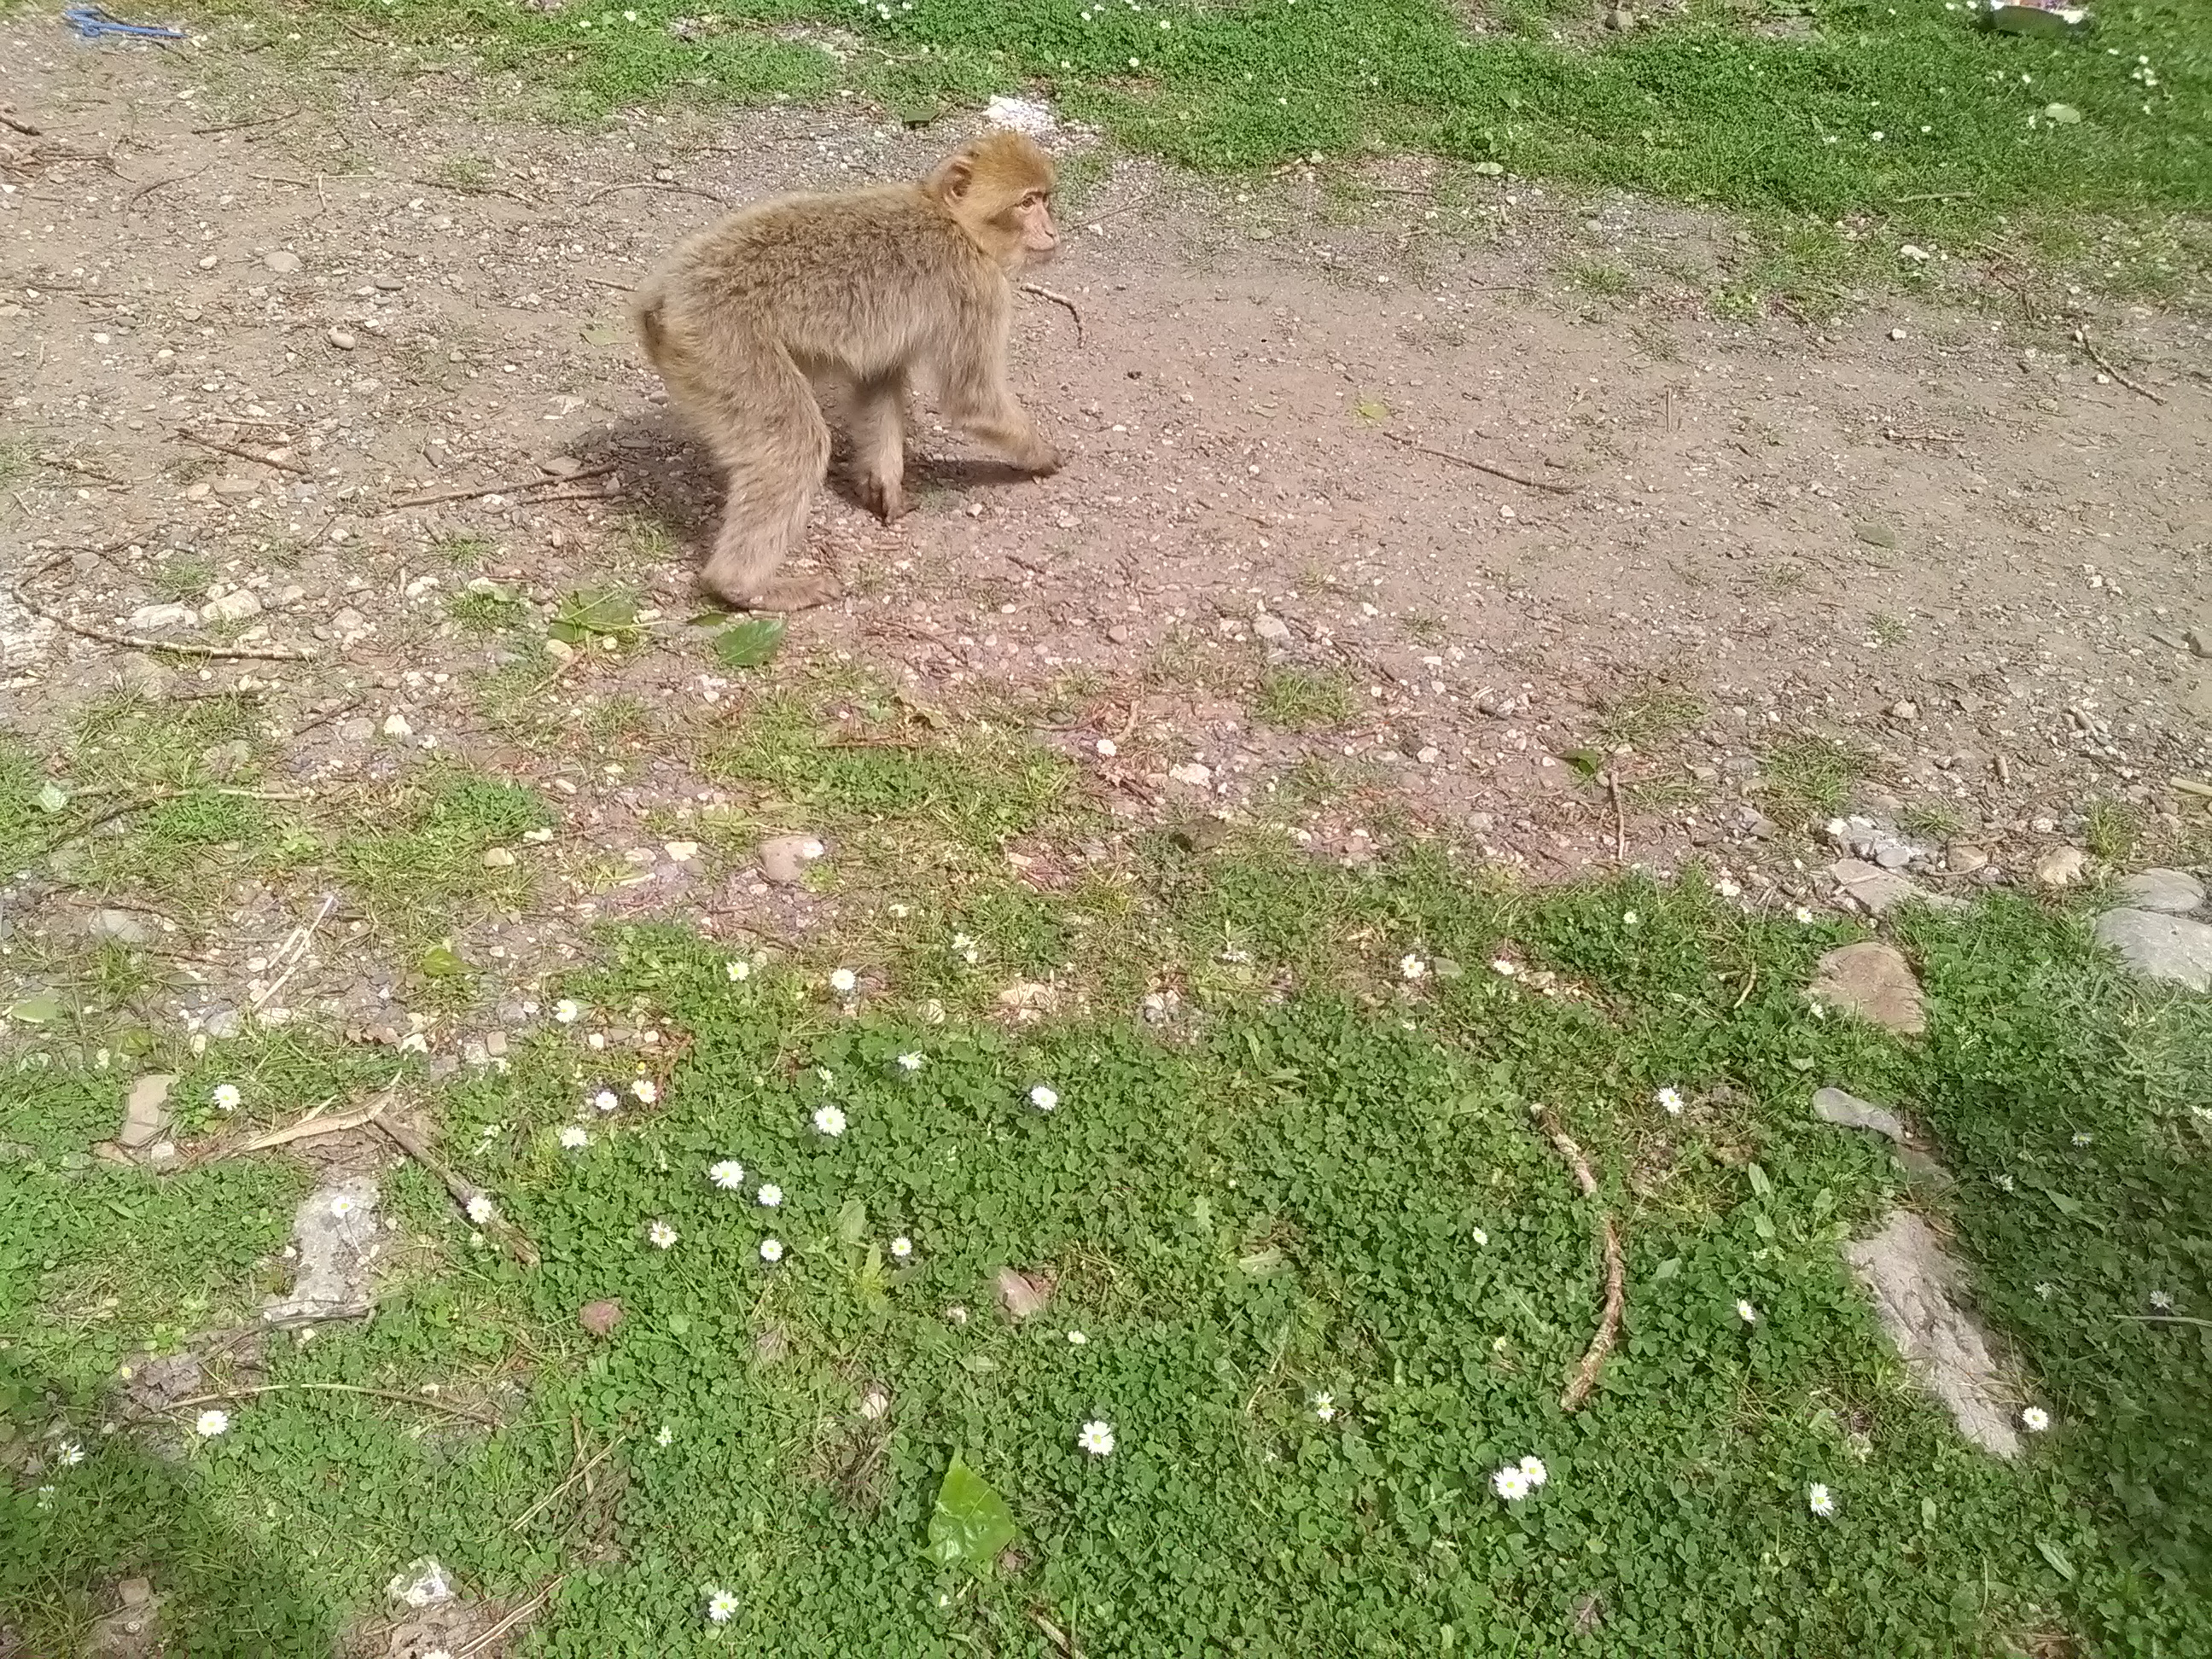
{"x":2111,"y":829}
{"x":462,"y":549}
{"x":477,"y":612}
{"x":1888,"y":630}
{"x":1650,"y":717}
{"x":1297,"y":700}
{"x":1599,"y":277}
{"x":1811,"y":777}
{"x":182,"y":578}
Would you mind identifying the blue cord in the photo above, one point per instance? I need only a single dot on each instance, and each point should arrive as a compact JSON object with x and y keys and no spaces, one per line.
{"x":91,"y":23}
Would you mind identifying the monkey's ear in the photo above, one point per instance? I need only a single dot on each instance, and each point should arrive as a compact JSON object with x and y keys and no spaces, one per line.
{"x":952,"y":178}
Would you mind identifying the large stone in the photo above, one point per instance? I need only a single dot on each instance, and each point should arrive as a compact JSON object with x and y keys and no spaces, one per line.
{"x":2170,"y":890}
{"x":334,"y":1233}
{"x":783,"y":859}
{"x":1875,"y":981}
{"x":1919,"y":1294}
{"x":1869,"y":884}
{"x":1848,"y":1111}
{"x":145,"y":1110}
{"x":2063,"y":866}
{"x":2159,"y":947}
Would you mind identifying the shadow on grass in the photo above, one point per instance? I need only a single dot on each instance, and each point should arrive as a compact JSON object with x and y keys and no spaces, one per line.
{"x":74,"y":1537}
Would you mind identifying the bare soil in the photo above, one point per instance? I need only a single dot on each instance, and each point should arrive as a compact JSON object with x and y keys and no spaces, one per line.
{"x":1946,"y":535}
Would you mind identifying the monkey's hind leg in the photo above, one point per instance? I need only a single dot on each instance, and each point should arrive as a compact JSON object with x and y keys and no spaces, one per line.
{"x":876,"y":421}
{"x":775,"y":450}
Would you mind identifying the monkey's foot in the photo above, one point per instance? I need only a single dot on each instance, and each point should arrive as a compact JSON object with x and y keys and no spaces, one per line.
{"x":798,"y":592}
{"x":887,"y":501}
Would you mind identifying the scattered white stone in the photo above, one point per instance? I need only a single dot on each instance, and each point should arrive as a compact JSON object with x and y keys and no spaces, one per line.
{"x":680,"y":852}
{"x":282,"y":260}
{"x":2157,"y":946}
{"x":2062,"y":866}
{"x":421,"y":1583}
{"x":234,"y":606}
{"x":163,"y":615}
{"x":783,"y":859}
{"x":1190,"y":772}
{"x":1848,"y":1111}
{"x":334,"y":1236}
{"x":1020,"y":115}
{"x":498,"y":858}
{"x":1920,"y":1295}
{"x":395,"y":724}
{"x":2172,"y":891}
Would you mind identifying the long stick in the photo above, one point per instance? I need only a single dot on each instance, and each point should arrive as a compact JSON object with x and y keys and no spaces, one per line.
{"x":18,"y":591}
{"x":1608,"y":1324}
{"x":562,"y":1490}
{"x":463,"y":1193}
{"x":1481,"y":466}
{"x":428,"y":1401}
{"x":469,"y":492}
{"x":1058,"y":299}
{"x":242,"y":451}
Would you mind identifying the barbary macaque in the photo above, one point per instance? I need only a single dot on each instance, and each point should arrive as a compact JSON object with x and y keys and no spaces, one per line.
{"x":808,"y":307}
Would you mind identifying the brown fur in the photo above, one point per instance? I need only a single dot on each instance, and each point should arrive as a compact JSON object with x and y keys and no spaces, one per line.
{"x":808,"y":304}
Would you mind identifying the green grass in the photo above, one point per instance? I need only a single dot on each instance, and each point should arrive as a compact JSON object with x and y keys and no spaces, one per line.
{"x":1335,"y":1191}
{"x":1698,"y":107}
{"x":1809,"y":777}
{"x":1294,"y":700}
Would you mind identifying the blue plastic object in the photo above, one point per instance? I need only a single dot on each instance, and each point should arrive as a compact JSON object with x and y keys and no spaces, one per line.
{"x":92,"y":23}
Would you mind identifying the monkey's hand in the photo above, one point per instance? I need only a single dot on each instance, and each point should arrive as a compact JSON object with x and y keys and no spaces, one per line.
{"x":886,"y":500}
{"x":1042,"y":458}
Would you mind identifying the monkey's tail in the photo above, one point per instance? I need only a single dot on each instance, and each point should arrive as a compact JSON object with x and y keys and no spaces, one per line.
{"x":645,"y":310}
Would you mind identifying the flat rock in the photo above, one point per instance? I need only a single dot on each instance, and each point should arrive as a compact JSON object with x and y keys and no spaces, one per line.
{"x":1848,"y":1111}
{"x":145,"y":1110}
{"x":1875,"y":981}
{"x":1022,"y":1294}
{"x":2159,"y":946}
{"x":1877,"y":889}
{"x":119,"y":926}
{"x":234,"y":606}
{"x":163,"y":615}
{"x":283,"y":261}
{"x":2062,"y":866}
{"x":1918,"y":1293}
{"x":335,"y":1233}
{"x":2169,"y":890}
{"x":783,"y":859}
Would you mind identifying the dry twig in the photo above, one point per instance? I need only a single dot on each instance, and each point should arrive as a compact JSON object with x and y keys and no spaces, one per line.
{"x":463,"y":1193}
{"x":241,"y":126}
{"x":604,"y":191}
{"x":2089,"y":348}
{"x":1481,"y":466}
{"x":579,"y":1473}
{"x":18,"y":591}
{"x":1620,"y":817}
{"x":471,"y":492}
{"x":1058,"y":299}
{"x":527,"y":1610}
{"x":430,"y":1402}
{"x":1608,"y":1324}
{"x":242,"y":451}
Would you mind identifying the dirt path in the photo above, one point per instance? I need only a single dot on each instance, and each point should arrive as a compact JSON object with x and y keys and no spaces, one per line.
{"x":1978,"y":558}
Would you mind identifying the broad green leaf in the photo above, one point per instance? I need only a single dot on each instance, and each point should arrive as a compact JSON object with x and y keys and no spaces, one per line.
{"x":442,"y":962}
{"x":53,"y":798}
{"x":970,"y":1523}
{"x":749,"y":643}
{"x":40,"y":1008}
{"x":1759,"y":1183}
{"x":2057,"y":1557}
{"x":853,"y":1221}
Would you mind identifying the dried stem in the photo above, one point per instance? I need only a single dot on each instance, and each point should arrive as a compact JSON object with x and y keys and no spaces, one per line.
{"x":1608,"y":1325}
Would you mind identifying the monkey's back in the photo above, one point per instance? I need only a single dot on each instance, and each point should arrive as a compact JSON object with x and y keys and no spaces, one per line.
{"x":859,"y":279}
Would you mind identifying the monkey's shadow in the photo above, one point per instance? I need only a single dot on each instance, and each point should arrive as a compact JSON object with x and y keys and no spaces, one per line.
{"x":665,"y":477}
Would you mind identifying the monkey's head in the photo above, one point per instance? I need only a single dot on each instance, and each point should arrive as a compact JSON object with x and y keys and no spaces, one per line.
{"x":1000,"y":188}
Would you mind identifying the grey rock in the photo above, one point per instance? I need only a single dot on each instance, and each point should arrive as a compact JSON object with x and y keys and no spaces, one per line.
{"x":1919,"y":1294}
{"x":360,"y":729}
{"x":783,"y":859}
{"x":1848,"y":1111}
{"x":421,"y":1583}
{"x":283,"y":261}
{"x":145,"y":1110}
{"x":1874,"y":981}
{"x":1878,"y":890}
{"x":163,"y":615}
{"x":223,"y":1024}
{"x":121,"y":927}
{"x":143,"y":677}
{"x":2170,"y":891}
{"x":347,"y":623}
{"x":2159,"y":947}
{"x":224,"y":759}
{"x":1023,"y":1295}
{"x":234,"y":606}
{"x":2200,"y":639}
{"x":2062,"y":866}
{"x":334,"y":1231}
{"x":1867,"y":838}
{"x":1272,"y":629}
{"x":1964,"y":860}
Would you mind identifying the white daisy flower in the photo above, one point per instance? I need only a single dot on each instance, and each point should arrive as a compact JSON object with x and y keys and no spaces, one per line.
{"x":771,"y":1249}
{"x":226,"y":1097}
{"x":1097,"y":1436}
{"x":481,"y":1209}
{"x":738,"y":971}
{"x":1745,"y":1312}
{"x":2162,"y":1301}
{"x":1043,"y":1096}
{"x":567,"y":1011}
{"x":771,"y":1195}
{"x":661,"y":1235}
{"x":211,"y":1423}
{"x":344,"y":1205}
{"x":1670,"y":1102}
{"x":1504,"y":969}
{"x":1324,"y":1404}
{"x":1412,"y":967}
{"x":2082,"y":1137}
{"x":575,"y":1136}
{"x":963,"y":946}
{"x":844,"y":982}
{"x":607,"y":1100}
{"x":1802,"y":913}
{"x":667,"y":1437}
{"x":70,"y":1453}
{"x":646,"y":1090}
{"x":1533,"y":1471}
{"x":2035,"y":1420}
{"x":830,"y":1121}
{"x":1820,"y":1500}
{"x":1509,"y":1483}
{"x":721,"y":1606}
{"x":1481,"y":1236}
{"x":911,"y":1062}
{"x":729,"y":1174}
{"x":1077,"y":1340}
{"x":901,"y":1247}
{"x":1629,"y":918}
{"x":2047,"y":1289}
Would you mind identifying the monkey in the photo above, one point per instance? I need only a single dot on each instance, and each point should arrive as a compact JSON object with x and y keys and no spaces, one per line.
{"x":813,"y":306}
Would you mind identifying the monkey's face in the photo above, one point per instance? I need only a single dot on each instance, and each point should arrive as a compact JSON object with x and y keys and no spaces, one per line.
{"x":1000,"y":188}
